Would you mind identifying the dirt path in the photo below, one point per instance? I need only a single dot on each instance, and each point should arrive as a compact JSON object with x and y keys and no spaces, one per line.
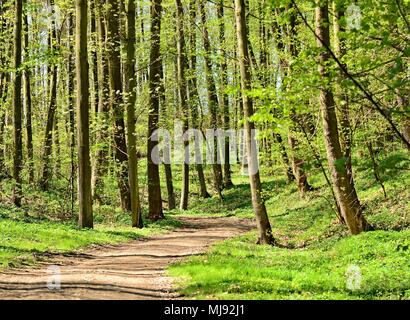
{"x":134,"y":270}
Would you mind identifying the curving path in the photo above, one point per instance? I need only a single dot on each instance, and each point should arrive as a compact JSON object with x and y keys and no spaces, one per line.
{"x":134,"y":270}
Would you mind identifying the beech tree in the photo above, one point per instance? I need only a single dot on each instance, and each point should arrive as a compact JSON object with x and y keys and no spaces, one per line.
{"x":83,"y":132}
{"x":262,"y":220}
{"x":154,"y":189}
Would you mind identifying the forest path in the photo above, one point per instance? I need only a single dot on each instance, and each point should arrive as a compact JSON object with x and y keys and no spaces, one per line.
{"x":132,"y":270}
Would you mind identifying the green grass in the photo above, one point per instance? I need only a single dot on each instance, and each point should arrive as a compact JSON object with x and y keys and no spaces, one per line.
{"x":315,"y":251}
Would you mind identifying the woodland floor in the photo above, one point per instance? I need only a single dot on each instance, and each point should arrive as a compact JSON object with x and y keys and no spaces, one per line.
{"x":132,"y":270}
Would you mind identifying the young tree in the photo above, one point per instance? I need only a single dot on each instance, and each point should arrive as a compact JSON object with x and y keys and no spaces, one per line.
{"x":83,"y":131}
{"x":18,"y":137}
{"x":227,"y":180}
{"x":263,"y":224}
{"x":193,"y":95}
{"x":48,"y":137}
{"x":212,"y":99}
{"x":348,"y":201}
{"x":182,"y":86}
{"x":116,"y":100}
{"x":28,"y":102}
{"x":102,"y":119}
{"x":131,"y":84}
{"x":154,"y":189}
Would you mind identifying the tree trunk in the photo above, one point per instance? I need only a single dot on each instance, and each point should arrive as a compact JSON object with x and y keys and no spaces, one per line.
{"x":193,"y":97}
{"x":71,"y":108}
{"x":116,"y":101}
{"x":213,"y":100}
{"x":18,"y":139}
{"x":182,"y":85}
{"x":167,"y":164}
{"x":48,"y":137}
{"x":289,"y":172}
{"x":154,"y":189}
{"x":263,"y":224}
{"x":101,"y":156}
{"x":343,"y":100}
{"x":83,"y":132}
{"x":94,"y":40}
{"x":227,"y":179}
{"x":131,"y":85}
{"x":27,"y":91}
{"x":348,"y":202}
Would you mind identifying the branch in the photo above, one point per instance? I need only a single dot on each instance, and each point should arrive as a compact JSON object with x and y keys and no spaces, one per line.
{"x":355,"y":82}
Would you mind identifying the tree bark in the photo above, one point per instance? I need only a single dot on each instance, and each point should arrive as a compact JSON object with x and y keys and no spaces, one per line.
{"x":343,"y":100}
{"x":131,"y":86}
{"x":48,"y":137}
{"x":83,"y":131}
{"x":349,"y":204}
{"x":116,"y":101}
{"x":213,"y":100}
{"x":27,"y":91}
{"x":154,"y":189}
{"x":18,"y":138}
{"x":263,"y":224}
{"x":227,"y":179}
{"x":193,"y":96}
{"x":101,"y":155}
{"x":71,"y":108}
{"x":182,"y":86}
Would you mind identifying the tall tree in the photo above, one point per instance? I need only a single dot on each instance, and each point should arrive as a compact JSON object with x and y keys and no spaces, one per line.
{"x":83,"y":131}
{"x":71,"y":106}
{"x":193,"y":97}
{"x":212,"y":99}
{"x":101,"y":156}
{"x":116,"y":100}
{"x":342,"y":97}
{"x":182,"y":87}
{"x":18,"y":135}
{"x":227,"y":180}
{"x":262,"y":220}
{"x":131,"y":87}
{"x":154,"y":189}
{"x":28,"y":102}
{"x":48,"y":136}
{"x":349,"y":204}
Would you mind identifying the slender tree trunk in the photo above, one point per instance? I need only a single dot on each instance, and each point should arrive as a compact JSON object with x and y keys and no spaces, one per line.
{"x":94,"y":37}
{"x":3,"y":90}
{"x":348,"y":202}
{"x":18,"y":139}
{"x":264,"y":228}
{"x":48,"y":137}
{"x":194,"y":99}
{"x":289,"y":172}
{"x":101,"y":156}
{"x":116,"y":101}
{"x":182,"y":63}
{"x":131,"y":85}
{"x":27,"y":91}
{"x":227,"y":179}
{"x":83,"y":131}
{"x":297,"y":166}
{"x":343,"y":100}
{"x":213,"y":100}
{"x":167,"y":164}
{"x":71,"y":108}
{"x":154,"y":189}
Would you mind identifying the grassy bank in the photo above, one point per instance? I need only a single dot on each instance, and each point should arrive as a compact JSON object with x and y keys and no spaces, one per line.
{"x":316,"y":256}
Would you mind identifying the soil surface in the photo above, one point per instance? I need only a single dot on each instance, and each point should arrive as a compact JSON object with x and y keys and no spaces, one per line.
{"x":133,"y":270}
